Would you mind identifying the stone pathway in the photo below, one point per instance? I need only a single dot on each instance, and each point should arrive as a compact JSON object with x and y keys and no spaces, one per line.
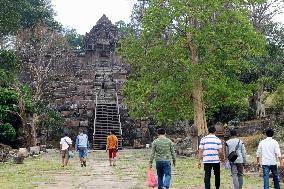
{"x":130,"y":173}
{"x":97,"y":175}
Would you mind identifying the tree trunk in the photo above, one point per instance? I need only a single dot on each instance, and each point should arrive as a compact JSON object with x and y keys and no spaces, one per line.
{"x":197,"y":96}
{"x":35,"y":120}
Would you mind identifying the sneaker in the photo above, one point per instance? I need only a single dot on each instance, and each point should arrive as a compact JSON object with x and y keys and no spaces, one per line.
{"x":82,"y":165}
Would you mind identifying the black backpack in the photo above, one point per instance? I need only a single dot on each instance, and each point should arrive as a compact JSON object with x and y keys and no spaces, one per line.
{"x":233,"y":155}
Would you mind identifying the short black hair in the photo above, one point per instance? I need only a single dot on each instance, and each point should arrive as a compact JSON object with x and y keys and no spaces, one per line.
{"x":161,"y":131}
{"x":269,"y":132}
{"x":211,"y":129}
{"x":112,"y":132}
{"x":233,"y":132}
{"x":65,"y":133}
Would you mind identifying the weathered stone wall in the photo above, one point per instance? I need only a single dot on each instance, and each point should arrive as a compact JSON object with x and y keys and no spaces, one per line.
{"x":97,"y":74}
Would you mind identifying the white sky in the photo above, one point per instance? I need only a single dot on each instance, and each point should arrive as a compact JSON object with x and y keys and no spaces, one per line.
{"x":83,"y":14}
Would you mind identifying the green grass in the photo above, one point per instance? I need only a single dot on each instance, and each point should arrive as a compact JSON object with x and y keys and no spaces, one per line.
{"x":33,"y":172}
{"x":184,"y":175}
{"x":131,"y":166}
{"x":27,"y":175}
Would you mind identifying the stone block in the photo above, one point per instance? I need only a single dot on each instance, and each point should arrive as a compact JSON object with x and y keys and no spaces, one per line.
{"x":65,"y":113}
{"x":90,"y":113}
{"x":84,"y":123}
{"x":74,"y":106}
{"x":81,"y":111}
{"x":35,"y":150}
{"x":73,"y":123}
{"x":23,"y":152}
{"x":43,"y":148}
{"x":91,"y":104}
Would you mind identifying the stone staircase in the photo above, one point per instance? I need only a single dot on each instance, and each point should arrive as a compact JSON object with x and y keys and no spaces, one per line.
{"x":107,"y":119}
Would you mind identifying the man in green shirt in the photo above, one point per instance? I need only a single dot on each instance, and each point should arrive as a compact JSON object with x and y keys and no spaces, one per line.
{"x":163,"y":152}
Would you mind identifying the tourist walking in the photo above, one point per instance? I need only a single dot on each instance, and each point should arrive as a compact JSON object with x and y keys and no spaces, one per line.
{"x":268,"y":150}
{"x":112,"y":147}
{"x":235,"y":147}
{"x":82,"y":144}
{"x":210,"y":151}
{"x":65,"y":146}
{"x":163,"y":152}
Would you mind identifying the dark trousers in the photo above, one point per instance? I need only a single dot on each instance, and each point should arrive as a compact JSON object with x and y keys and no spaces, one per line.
{"x":266,"y":169}
{"x":207,"y":168}
{"x":164,"y":173}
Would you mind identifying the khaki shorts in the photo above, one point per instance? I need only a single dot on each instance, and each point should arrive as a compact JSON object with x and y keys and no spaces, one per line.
{"x":64,"y":154}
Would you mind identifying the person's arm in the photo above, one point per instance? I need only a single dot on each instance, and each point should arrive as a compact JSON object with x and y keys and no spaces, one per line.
{"x":200,"y":156}
{"x":226,"y":149}
{"x":200,"y":152}
{"x":244,"y":154}
{"x":221,"y":151}
{"x":258,"y":154}
{"x":76,"y":144}
{"x":172,"y":148}
{"x":107,"y":143}
{"x":278,"y":153}
{"x":152,"y":155}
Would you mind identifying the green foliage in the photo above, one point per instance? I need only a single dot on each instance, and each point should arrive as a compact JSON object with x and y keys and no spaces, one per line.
{"x":162,"y":69}
{"x":11,"y":14}
{"x":75,"y":40}
{"x":278,"y":100}
{"x":39,"y":12}
{"x":7,"y":132}
{"x":50,"y":126}
{"x":16,"y":14}
{"x":9,"y":67}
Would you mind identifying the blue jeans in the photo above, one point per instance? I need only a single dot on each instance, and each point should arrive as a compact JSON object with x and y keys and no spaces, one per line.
{"x":266,"y":169}
{"x":163,"y":170}
{"x":82,"y":152}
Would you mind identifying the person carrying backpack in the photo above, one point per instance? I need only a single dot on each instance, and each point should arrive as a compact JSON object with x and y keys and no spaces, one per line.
{"x":236,"y":155}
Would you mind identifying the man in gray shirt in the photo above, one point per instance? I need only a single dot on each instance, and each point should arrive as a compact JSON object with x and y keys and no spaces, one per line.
{"x":237,"y":167}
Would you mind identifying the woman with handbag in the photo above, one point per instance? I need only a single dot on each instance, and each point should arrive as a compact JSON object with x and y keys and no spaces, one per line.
{"x":65,"y":147}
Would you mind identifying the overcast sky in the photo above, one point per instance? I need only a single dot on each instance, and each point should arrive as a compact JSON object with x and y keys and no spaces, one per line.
{"x":83,"y":14}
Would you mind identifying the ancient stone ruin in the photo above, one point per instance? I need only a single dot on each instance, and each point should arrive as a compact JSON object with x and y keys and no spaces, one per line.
{"x":91,"y":97}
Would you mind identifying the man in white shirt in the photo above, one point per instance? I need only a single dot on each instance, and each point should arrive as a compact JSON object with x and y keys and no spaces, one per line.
{"x":268,"y":150}
{"x":65,"y":146}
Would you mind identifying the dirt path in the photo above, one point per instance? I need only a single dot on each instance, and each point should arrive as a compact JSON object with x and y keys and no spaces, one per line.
{"x":97,"y":175}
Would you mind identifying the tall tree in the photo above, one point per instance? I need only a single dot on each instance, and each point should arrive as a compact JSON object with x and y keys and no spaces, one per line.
{"x":44,"y":53}
{"x":189,"y":59}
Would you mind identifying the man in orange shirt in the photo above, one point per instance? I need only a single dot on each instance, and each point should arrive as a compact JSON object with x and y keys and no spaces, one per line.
{"x":112,"y":145}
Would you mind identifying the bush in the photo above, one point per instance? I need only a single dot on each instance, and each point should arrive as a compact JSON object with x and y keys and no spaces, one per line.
{"x":7,"y":133}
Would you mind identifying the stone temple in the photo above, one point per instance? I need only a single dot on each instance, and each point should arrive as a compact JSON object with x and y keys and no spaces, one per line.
{"x":91,"y":98}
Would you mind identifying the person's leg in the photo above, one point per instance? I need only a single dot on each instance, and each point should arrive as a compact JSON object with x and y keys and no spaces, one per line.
{"x":240,"y":168}
{"x":160,"y":174}
{"x":114,"y":157}
{"x":234,"y":171}
{"x":265,"y":170}
{"x":207,"y":176}
{"x":110,"y":156}
{"x":81,"y":157}
{"x":274,"y":171}
{"x":84,"y":159}
{"x":168,"y":174}
{"x":62,"y":158}
{"x":66,"y":160}
{"x":216,"y":168}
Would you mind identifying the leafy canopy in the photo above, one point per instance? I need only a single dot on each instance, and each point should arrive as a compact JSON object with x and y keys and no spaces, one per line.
{"x":163,"y":72}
